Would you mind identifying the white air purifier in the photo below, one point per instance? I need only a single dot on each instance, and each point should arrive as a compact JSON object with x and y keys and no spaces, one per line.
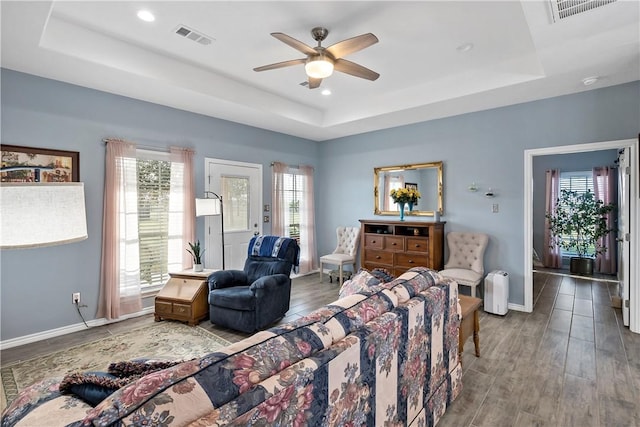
{"x":496,"y":292}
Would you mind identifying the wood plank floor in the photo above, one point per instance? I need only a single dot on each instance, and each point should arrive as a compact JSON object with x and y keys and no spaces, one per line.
{"x":568,"y":363}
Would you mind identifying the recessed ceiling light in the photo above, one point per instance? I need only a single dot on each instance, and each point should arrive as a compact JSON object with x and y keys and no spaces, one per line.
{"x":326,"y":92}
{"x":466,"y":47}
{"x":588,"y":81}
{"x":146,"y":16}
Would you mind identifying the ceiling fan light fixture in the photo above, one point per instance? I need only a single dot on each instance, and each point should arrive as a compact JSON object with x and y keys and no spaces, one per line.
{"x":146,"y":15}
{"x":319,"y":67}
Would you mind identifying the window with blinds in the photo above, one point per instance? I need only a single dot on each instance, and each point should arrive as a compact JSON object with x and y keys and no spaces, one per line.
{"x":154,"y":184}
{"x":293,"y":196}
{"x":580,"y":182}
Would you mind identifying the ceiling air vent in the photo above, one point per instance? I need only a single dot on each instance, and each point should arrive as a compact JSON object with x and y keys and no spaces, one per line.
{"x":565,"y":8}
{"x":193,"y":35}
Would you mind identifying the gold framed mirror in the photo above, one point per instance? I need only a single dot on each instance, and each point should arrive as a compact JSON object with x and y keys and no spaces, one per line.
{"x":424,"y":177}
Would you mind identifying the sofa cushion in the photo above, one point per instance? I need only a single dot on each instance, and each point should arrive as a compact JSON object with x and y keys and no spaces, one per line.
{"x":362,"y":281}
{"x":382,"y":274}
{"x":237,"y":298}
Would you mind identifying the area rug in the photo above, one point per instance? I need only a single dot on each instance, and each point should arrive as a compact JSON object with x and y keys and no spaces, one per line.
{"x":168,"y":340}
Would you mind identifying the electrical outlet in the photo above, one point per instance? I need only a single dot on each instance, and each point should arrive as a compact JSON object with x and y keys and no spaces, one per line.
{"x":75,"y":297}
{"x":495,"y":208}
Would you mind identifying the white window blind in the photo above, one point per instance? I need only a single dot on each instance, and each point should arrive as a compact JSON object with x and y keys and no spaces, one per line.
{"x":154,"y":185}
{"x":580,"y":182}
{"x":293,"y":196}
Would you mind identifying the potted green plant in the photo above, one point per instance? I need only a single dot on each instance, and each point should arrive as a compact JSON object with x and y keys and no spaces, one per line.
{"x":196,"y":254}
{"x":578,"y":224}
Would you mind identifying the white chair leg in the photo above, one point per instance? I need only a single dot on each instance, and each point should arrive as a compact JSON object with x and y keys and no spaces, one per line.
{"x":473,"y":291}
{"x":340,"y":279}
{"x":321,"y":268}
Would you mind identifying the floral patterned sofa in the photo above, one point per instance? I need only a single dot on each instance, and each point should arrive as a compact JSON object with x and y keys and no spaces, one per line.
{"x":386,"y":355}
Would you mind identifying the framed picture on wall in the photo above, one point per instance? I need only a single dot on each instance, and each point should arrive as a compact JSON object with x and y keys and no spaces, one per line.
{"x":411,"y":186}
{"x":29,"y":164}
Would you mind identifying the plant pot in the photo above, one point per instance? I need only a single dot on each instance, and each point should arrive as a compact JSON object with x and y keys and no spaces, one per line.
{"x":197,"y":267}
{"x":581,"y":266}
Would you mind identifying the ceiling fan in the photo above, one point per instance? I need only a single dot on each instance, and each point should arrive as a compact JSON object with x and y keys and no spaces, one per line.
{"x":322,"y":61}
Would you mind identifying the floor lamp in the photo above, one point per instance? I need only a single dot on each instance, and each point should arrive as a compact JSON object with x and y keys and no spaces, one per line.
{"x":210,"y":206}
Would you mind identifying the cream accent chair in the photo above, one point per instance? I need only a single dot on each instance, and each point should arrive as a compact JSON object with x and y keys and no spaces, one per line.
{"x":466,"y":258}
{"x":345,"y":252}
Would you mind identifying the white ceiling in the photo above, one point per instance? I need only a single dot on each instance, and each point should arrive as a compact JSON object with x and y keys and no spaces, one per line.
{"x":520,"y":54}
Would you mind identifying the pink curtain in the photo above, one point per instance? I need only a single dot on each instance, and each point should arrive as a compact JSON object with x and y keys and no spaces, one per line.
{"x":182,"y":209}
{"x":277,"y":200}
{"x":552,"y":256}
{"x":391,"y":182}
{"x":308,"y":253}
{"x":120,"y":265}
{"x":604,"y":186}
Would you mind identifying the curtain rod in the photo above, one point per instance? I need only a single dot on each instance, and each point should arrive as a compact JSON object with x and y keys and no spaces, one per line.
{"x":141,"y":146}
{"x":293,"y":166}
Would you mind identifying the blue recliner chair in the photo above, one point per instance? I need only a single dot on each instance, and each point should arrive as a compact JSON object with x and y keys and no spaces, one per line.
{"x":251,"y":299}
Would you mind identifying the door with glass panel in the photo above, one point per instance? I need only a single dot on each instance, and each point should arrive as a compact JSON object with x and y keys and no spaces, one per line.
{"x":240,"y":186}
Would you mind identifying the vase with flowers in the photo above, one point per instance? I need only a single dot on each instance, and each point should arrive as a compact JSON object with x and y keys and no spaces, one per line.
{"x":402,"y":196}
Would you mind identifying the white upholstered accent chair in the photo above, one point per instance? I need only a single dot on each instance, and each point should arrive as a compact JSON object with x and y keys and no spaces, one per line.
{"x":466,"y":258}
{"x":345,"y":252}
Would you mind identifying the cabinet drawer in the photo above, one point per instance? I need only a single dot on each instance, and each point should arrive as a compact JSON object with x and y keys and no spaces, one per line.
{"x":378,"y":257}
{"x":371,"y":265}
{"x":373,"y":241}
{"x":392,"y":243}
{"x":163,"y":307}
{"x":418,"y":244}
{"x":411,"y":260}
{"x":182,"y":309}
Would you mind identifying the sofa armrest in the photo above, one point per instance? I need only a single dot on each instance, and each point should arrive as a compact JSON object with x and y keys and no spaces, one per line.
{"x":227,"y":278}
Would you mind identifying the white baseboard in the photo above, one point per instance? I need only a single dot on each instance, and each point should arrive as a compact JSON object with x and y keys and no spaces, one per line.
{"x":28,"y":339}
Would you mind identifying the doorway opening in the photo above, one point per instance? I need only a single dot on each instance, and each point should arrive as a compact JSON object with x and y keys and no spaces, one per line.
{"x":630,"y":272}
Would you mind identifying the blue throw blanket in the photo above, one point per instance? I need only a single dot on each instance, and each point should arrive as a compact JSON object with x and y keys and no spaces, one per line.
{"x":272,"y":246}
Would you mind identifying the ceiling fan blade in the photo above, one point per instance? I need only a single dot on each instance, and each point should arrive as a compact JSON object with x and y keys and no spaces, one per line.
{"x":354,"y":69}
{"x":354,"y":44}
{"x":296,"y":44}
{"x":281,"y":64}
{"x":314,"y":83}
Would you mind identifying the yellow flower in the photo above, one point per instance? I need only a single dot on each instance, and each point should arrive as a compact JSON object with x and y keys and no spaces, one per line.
{"x":405,"y":195}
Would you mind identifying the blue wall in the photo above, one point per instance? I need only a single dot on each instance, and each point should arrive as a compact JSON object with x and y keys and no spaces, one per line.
{"x":36,"y":284}
{"x":484,"y":147}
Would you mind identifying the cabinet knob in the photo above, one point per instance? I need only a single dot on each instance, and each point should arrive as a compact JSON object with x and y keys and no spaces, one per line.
{"x":373,"y":241}
{"x":417,"y":245}
{"x":394,"y":244}
{"x":410,"y":261}
{"x":377,"y":256}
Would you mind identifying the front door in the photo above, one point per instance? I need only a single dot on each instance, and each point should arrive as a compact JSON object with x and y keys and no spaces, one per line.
{"x":240,"y":185}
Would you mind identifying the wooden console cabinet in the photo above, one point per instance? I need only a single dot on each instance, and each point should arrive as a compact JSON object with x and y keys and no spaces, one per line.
{"x":400,"y":245}
{"x":184,"y":297}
